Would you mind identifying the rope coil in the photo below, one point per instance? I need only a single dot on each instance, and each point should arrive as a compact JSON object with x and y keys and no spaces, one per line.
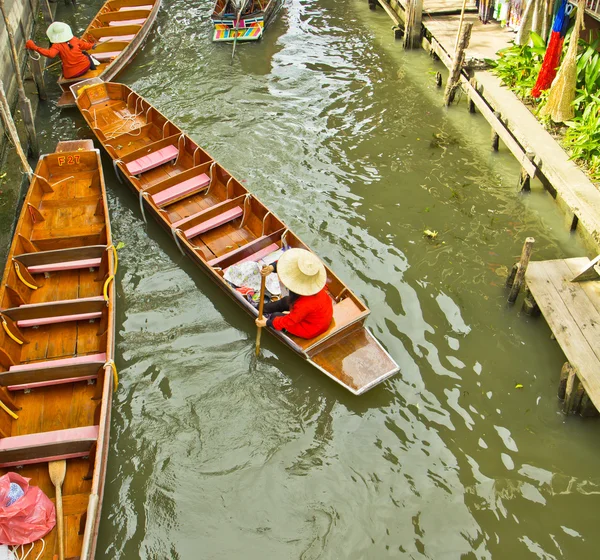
{"x":9,"y":333}
{"x":174,"y":232}
{"x":105,"y":289}
{"x":20,"y":277}
{"x":111,"y":364}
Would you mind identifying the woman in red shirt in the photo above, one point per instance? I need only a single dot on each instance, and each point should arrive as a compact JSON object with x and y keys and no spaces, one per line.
{"x":309,"y":305}
{"x":75,"y":62}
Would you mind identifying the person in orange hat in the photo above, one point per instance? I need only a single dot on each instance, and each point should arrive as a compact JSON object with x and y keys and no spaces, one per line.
{"x":75,"y":61}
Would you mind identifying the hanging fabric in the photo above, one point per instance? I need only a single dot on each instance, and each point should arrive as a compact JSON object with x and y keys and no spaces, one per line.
{"x":554,"y":50}
{"x":485,"y":10}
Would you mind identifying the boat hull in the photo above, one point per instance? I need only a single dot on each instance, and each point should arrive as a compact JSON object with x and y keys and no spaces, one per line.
{"x":249,"y":27}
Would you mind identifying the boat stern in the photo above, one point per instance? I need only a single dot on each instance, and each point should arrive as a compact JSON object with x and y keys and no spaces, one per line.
{"x":248,"y":30}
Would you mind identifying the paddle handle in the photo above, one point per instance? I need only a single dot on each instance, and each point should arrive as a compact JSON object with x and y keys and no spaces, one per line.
{"x":60,"y":523}
{"x":261,"y":306}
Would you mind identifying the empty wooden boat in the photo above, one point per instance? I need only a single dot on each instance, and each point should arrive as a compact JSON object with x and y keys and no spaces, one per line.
{"x":119,"y":29}
{"x":214,"y":219}
{"x":254,"y":17}
{"x":57,"y":341}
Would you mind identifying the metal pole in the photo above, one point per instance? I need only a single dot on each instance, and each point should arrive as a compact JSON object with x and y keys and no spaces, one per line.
{"x":26,"y":110}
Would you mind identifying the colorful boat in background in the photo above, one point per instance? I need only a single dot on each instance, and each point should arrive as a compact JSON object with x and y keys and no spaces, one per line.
{"x":57,"y":342}
{"x":254,"y":16}
{"x":119,"y":29}
{"x":214,"y":219}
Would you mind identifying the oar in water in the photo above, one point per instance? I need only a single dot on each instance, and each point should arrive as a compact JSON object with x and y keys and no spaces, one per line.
{"x":261,"y":306}
{"x":57,"y":471}
{"x":236,"y":27}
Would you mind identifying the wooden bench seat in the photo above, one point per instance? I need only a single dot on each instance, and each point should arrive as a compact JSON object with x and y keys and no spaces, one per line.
{"x":41,"y":321}
{"x":125,"y":38}
{"x":62,"y":266}
{"x":214,"y":223}
{"x":181,"y":190}
{"x":260,"y":254}
{"x":53,"y":372}
{"x":50,"y":313}
{"x":47,"y":446}
{"x":130,"y":8}
{"x":104,"y":56}
{"x":152,"y":160}
{"x":91,"y":298}
{"x":118,"y":23}
{"x":62,"y":259}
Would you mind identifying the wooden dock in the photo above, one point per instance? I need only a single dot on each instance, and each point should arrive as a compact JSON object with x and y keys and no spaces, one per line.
{"x":572,"y":311}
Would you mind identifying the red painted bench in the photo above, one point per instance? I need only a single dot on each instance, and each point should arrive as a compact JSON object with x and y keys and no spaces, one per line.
{"x":214,"y":222}
{"x":24,"y":323}
{"x":127,"y":22}
{"x":124,"y":38}
{"x":181,"y":190}
{"x":47,"y":446}
{"x":62,"y":266}
{"x":152,"y":160}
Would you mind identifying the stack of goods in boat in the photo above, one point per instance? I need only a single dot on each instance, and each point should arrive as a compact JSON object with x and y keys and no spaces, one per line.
{"x":215,"y":220}
{"x":242,"y":20}
{"x":57,"y":372}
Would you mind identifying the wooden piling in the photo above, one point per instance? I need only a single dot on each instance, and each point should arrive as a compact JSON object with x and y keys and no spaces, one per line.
{"x":412,"y":26}
{"x":372,"y":5}
{"x":524,"y":178}
{"x":438,"y":79}
{"x":471,"y":103}
{"x":495,"y":136}
{"x":521,"y":268}
{"x":11,"y":129}
{"x":26,"y":110}
{"x":46,"y":11}
{"x":562,"y":383}
{"x":530,"y":307}
{"x":38,"y":75}
{"x":457,"y":64}
{"x":571,"y":402}
{"x":587,"y":408}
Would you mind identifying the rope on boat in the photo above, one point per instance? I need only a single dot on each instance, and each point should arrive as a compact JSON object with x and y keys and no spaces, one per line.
{"x":115,"y":257}
{"x":20,"y":276}
{"x":11,"y":413}
{"x":105,"y":289}
{"x":284,"y":242}
{"x":263,"y":223}
{"x":181,"y":137}
{"x":127,"y":100}
{"x":227,"y":187}
{"x":111,"y":364}
{"x":195,"y":152}
{"x":248,"y":197}
{"x":164,"y":128}
{"x":19,"y":553}
{"x":174,"y":232}
{"x":116,"y":168}
{"x":10,"y":334}
{"x":143,"y":194}
{"x":212,"y":168}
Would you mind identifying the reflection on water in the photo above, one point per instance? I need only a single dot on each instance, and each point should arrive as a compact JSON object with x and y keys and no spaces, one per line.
{"x":215,"y":454}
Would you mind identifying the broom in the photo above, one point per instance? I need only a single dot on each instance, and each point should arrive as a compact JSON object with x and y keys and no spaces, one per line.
{"x":559,"y":105}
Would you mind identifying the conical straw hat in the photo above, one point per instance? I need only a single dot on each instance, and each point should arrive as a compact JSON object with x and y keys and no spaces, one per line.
{"x":301,"y":272}
{"x":59,"y":32}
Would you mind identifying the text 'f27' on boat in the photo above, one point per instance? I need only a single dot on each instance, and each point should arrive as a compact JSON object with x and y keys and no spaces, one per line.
{"x":218,"y":223}
{"x":119,"y":30}
{"x":57,"y":374}
{"x":242,"y":20}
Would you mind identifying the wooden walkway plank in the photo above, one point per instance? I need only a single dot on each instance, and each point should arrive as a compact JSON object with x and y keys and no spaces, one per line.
{"x":565,"y":329}
{"x":591,"y":288}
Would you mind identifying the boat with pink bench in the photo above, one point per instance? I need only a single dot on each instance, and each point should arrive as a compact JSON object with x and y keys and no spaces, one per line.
{"x":213,"y":218}
{"x":57,"y":372}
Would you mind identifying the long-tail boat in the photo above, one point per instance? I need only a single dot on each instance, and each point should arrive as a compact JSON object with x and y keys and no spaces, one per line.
{"x":118,"y":29}
{"x":242,"y":20}
{"x":57,"y":307}
{"x":215,"y":220}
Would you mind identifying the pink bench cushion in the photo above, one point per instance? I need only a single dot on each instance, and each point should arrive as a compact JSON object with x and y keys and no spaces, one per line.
{"x":81,"y":436}
{"x":59,"y":363}
{"x":105,"y":55}
{"x":181,"y":190}
{"x":93,"y":298}
{"x":127,"y":22}
{"x":129,"y":8}
{"x":61,"y":319}
{"x":152,"y":160}
{"x":122,"y":38}
{"x":60,"y":266}
{"x":260,"y":254}
{"x":214,"y":222}
{"x":39,"y":384}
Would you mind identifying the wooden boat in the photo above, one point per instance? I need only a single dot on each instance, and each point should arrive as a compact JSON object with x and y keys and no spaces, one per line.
{"x":218,"y":223}
{"x":119,"y":29}
{"x":255,"y":16}
{"x":57,"y":341}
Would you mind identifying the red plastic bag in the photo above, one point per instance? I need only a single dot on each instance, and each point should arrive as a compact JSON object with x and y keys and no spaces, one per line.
{"x":29,"y":518}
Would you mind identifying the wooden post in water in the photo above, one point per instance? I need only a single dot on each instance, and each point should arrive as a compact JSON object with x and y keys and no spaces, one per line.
{"x":38,"y":75}
{"x":11,"y":129}
{"x":45,"y":7}
{"x":515,"y":280}
{"x":457,"y":64}
{"x":412,"y":26}
{"x":471,"y":103}
{"x":495,"y":137}
{"x":571,"y":403}
{"x":524,"y":179}
{"x":26,"y":110}
{"x":372,"y":5}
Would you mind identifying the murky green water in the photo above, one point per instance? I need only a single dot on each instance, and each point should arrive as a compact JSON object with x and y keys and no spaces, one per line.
{"x":217,"y":456}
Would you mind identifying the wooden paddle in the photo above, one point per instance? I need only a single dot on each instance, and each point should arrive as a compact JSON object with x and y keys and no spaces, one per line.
{"x":57,"y":471}
{"x":261,"y":306}
{"x":236,"y":29}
